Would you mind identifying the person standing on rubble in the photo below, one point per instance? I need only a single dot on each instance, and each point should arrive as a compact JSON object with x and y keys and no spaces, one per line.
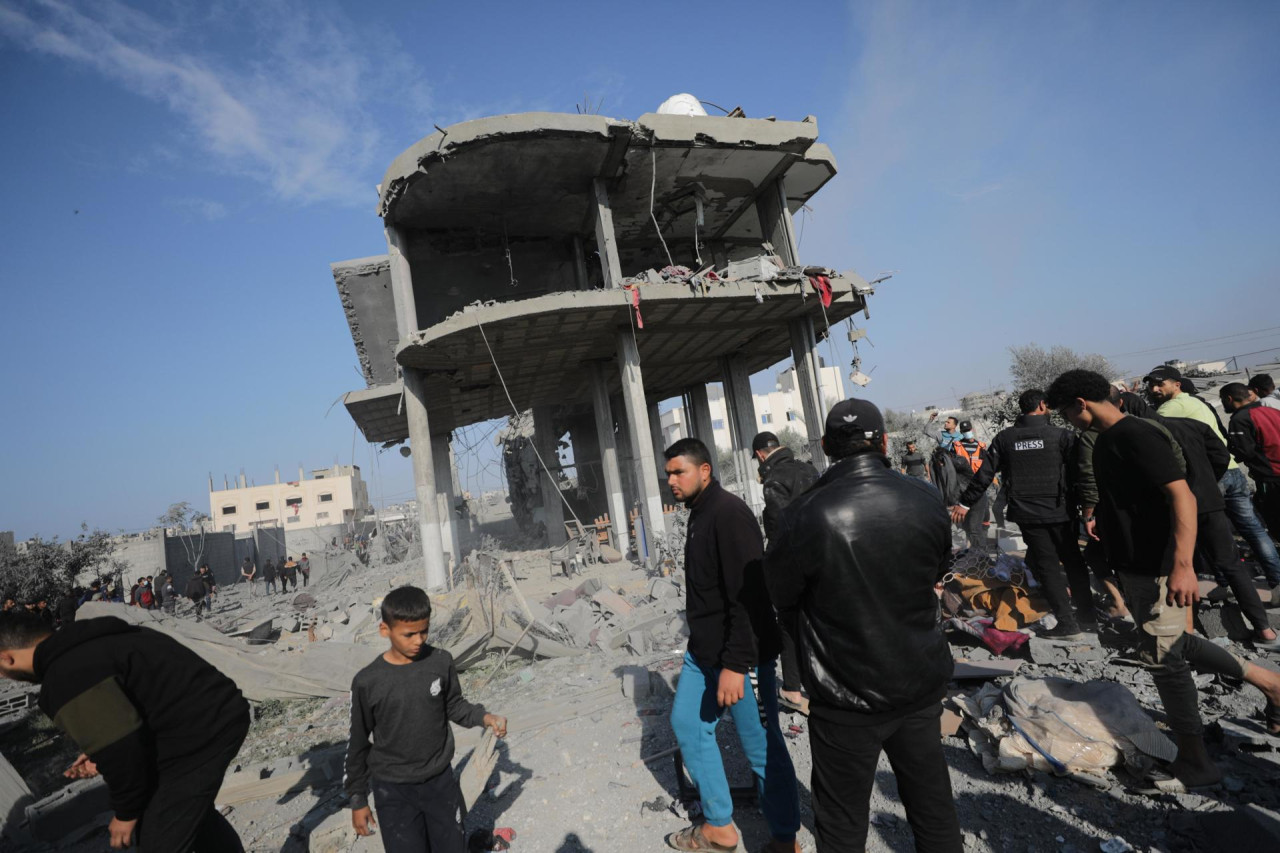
{"x":732,"y":630}
{"x":1032,"y":459}
{"x":966,"y":458}
{"x":269,"y":575}
{"x":1167,"y":387}
{"x":304,"y":569}
{"x":401,"y":746}
{"x":1149,"y":517}
{"x":249,"y":573}
{"x":852,"y":574}
{"x":154,"y":720}
{"x":195,"y":590}
{"x":288,"y":572}
{"x":784,"y":478}
{"x":913,"y":463}
{"x":1254,"y":437}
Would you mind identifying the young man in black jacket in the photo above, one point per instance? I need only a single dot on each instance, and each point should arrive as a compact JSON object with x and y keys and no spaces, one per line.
{"x":162,"y":744}
{"x":1032,"y":459}
{"x":852,"y":574}
{"x":784,"y":478}
{"x":732,"y":630}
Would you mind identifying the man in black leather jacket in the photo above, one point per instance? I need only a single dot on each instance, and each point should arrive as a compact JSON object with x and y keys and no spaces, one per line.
{"x":852,"y":574}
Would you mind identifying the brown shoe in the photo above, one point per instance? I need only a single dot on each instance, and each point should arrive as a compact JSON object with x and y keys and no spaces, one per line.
{"x":691,"y":840}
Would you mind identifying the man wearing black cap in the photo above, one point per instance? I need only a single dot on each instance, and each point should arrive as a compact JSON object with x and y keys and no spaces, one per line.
{"x":1167,"y":387}
{"x":784,"y":477}
{"x":852,"y":573}
{"x":1031,"y":456}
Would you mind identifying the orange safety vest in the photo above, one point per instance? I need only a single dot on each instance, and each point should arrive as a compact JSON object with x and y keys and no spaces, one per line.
{"x":975,"y":461}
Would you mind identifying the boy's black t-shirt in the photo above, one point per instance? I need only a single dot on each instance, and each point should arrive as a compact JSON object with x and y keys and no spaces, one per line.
{"x":1132,"y":461}
{"x":400,"y":721}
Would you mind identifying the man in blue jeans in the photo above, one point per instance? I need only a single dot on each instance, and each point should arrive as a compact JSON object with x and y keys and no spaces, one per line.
{"x":732,"y":630}
{"x":1164,"y":384}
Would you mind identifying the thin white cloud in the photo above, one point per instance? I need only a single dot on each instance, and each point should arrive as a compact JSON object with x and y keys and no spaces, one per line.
{"x":293,"y":110}
{"x":203,"y":208}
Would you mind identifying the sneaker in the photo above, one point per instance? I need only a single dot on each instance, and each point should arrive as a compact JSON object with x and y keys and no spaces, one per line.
{"x":1062,"y":631}
{"x":1274,"y":601}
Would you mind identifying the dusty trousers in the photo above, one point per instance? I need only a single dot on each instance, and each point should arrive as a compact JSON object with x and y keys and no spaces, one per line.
{"x":1050,"y":548}
{"x":844,"y":771}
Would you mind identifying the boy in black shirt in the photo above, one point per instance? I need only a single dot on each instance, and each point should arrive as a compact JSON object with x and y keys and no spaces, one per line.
{"x":1149,"y":531}
{"x":405,"y":700}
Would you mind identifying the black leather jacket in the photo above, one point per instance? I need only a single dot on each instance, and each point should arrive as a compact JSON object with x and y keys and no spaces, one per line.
{"x":851,"y":574}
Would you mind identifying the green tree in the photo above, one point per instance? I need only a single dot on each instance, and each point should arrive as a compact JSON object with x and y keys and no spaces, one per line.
{"x":1033,"y":366}
{"x":48,"y":568}
{"x":190,"y":525}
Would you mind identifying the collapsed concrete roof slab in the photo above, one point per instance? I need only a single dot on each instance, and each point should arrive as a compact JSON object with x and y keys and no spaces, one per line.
{"x":543,"y":345}
{"x":364,"y":285}
{"x":529,"y":176}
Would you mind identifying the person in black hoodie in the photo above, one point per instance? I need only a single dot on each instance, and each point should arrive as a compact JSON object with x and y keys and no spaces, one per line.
{"x":852,"y":573}
{"x":162,"y":744}
{"x":732,"y":630}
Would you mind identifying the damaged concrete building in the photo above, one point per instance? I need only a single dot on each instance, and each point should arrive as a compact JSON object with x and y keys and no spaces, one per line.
{"x":585,"y":269}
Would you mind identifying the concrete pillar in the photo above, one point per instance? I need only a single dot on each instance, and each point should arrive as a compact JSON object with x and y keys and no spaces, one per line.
{"x":424,"y":480}
{"x":401,"y":285}
{"x":609,"y":458}
{"x":606,"y":241}
{"x":637,"y":415}
{"x":743,"y":426}
{"x":776,"y":224}
{"x":442,"y":468}
{"x":580,"y":279}
{"x":659,"y":445}
{"x":697,"y":415}
{"x":547,"y":442}
{"x":804,"y":349}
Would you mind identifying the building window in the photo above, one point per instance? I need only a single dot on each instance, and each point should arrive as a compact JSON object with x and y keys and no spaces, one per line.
{"x":261,"y":505}
{"x":718,"y":423}
{"x":228,"y":528}
{"x":326,"y":497}
{"x":293,"y":502}
{"x":293,"y":519}
{"x":766,"y":419}
{"x":792,"y":416}
{"x":322,"y":515}
{"x":229,"y":510}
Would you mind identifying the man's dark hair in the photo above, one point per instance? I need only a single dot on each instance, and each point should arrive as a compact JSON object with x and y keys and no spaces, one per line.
{"x":95,"y":584}
{"x":405,"y":604}
{"x":1084,"y":384}
{"x":1262,"y":385}
{"x":1030,"y":400}
{"x":692,"y":449}
{"x":1237,"y":391}
{"x":21,"y":630}
{"x":1135,"y":405}
{"x":842,"y":444}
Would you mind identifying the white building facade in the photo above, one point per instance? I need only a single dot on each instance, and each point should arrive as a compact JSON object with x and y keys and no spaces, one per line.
{"x":335,"y":495}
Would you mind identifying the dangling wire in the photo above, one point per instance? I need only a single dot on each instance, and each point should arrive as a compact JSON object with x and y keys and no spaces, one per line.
{"x":653,"y":188}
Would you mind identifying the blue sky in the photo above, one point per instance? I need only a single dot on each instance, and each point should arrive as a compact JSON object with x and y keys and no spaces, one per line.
{"x":179,"y":175}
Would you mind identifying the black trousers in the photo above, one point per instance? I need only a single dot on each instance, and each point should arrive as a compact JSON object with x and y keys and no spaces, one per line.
{"x":790,"y":663}
{"x":1267,"y":500}
{"x":1216,"y":545}
{"x":421,"y":817}
{"x":973,"y":522}
{"x":844,"y":771}
{"x":181,"y":818}
{"x":1050,"y":547}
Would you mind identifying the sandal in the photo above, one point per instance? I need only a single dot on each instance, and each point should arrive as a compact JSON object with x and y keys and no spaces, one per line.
{"x":801,"y":707}
{"x":691,"y":840}
{"x":1160,"y":781}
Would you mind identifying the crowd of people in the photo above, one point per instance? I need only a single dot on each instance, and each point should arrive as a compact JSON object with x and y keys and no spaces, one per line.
{"x":841,"y":585}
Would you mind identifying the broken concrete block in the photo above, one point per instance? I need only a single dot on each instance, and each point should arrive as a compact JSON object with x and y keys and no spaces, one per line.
{"x":640,"y":642}
{"x":83,"y":802}
{"x":610,"y":554}
{"x":663,"y":588}
{"x":304,"y":600}
{"x":335,"y":834}
{"x":589,"y":587}
{"x":611,"y":601}
{"x":635,"y":682}
{"x":261,"y":633}
{"x":1247,"y":734}
{"x":1046,"y":652}
{"x":341,"y":617}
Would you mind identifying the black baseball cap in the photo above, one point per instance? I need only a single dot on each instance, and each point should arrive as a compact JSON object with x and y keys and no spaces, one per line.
{"x":1161,"y":373}
{"x":764,"y":441}
{"x":855,"y":414}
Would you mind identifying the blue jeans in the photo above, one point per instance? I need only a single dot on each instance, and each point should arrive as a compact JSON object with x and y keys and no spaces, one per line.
{"x":1235,"y":489}
{"x":694,"y":716}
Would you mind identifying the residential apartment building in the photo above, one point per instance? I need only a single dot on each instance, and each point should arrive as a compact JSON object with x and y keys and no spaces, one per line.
{"x":778,"y":410}
{"x":335,"y":495}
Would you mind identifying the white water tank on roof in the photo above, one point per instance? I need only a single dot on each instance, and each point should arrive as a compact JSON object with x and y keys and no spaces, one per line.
{"x":683,"y":104}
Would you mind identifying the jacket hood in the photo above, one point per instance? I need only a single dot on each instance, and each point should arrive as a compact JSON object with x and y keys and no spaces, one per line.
{"x":76,"y":634}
